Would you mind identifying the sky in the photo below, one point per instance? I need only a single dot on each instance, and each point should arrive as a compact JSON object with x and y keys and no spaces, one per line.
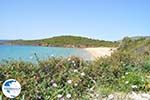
{"x":99,"y":19}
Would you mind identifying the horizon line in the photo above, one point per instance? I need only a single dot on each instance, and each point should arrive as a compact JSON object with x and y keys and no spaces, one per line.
{"x":74,"y":36}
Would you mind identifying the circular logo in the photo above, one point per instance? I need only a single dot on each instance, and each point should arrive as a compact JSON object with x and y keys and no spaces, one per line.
{"x":11,"y":88}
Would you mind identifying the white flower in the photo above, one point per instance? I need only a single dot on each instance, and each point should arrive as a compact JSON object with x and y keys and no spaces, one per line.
{"x":59,"y":96}
{"x":92,"y":95}
{"x":82,"y":74}
{"x":69,"y":59}
{"x":75,"y":84}
{"x":142,"y":79}
{"x":52,"y":81}
{"x":69,"y":81}
{"x":54,"y":85}
{"x":91,"y":89}
{"x":68,"y":96}
{"x":62,"y":98}
{"x":97,"y":95}
{"x":94,"y":81}
{"x":73,"y":61}
{"x":123,"y":76}
{"x":110,"y":97}
{"x":126,"y":73}
{"x":75,"y":70}
{"x":134,"y":86}
{"x":126,"y":82}
{"x":74,"y":64}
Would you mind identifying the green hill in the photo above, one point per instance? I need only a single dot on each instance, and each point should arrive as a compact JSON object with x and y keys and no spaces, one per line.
{"x":139,"y":45}
{"x":66,"y":41}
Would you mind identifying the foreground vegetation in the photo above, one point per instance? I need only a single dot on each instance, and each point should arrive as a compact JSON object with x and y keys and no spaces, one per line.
{"x":65,"y":41}
{"x":128,"y":69}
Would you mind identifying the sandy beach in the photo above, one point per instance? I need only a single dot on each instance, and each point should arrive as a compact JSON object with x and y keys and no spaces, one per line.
{"x":100,"y":51}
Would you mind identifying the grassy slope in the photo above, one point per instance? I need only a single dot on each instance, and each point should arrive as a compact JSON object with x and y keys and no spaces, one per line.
{"x":67,"y":41}
{"x":139,"y":45}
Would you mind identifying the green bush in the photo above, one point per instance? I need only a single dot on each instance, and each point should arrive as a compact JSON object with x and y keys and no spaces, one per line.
{"x":128,"y":69}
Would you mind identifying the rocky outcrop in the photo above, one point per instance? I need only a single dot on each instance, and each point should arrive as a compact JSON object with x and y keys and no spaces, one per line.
{"x":123,"y":96}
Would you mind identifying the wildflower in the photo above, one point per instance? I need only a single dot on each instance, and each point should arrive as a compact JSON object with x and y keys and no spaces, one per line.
{"x":69,"y":81}
{"x":62,"y":98}
{"x":75,"y":84}
{"x":75,"y":70}
{"x":59,"y":96}
{"x":110,"y":97}
{"x":126,"y":82}
{"x":94,"y":81}
{"x":52,"y":81}
{"x":92,"y":95}
{"x":73,"y":62}
{"x":91,"y":89}
{"x":69,"y":59}
{"x":82,"y":74}
{"x":97,"y":95}
{"x":54,"y":85}
{"x":126,"y":73}
{"x":68,"y":96}
{"x":123,"y":76}
{"x":134,"y":86}
{"x":142,"y":79}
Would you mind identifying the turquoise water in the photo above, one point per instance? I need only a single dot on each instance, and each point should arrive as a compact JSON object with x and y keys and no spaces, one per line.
{"x":27,"y":53}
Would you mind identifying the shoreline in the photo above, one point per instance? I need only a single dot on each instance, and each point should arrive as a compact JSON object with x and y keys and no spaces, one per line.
{"x":100,"y":51}
{"x":93,"y":52}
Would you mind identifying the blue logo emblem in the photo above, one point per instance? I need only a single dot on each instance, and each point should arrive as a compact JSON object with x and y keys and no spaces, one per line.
{"x":11,"y":88}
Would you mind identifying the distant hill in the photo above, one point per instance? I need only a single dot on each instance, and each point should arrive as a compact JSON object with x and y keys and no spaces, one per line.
{"x":139,"y":37}
{"x":66,"y":41}
{"x":4,"y":40}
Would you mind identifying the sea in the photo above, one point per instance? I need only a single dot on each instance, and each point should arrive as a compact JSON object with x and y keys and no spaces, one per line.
{"x":31,"y":53}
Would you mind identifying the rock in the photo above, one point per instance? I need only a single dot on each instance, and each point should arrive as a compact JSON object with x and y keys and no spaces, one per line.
{"x":124,"y":96}
{"x":144,"y":95}
{"x":110,"y":97}
{"x":139,"y":96}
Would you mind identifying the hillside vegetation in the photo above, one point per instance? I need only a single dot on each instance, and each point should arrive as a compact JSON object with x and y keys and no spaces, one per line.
{"x":127,"y":70}
{"x":66,"y":41}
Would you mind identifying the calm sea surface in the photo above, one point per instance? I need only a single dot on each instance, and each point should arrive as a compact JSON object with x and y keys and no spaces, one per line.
{"x":27,"y":53}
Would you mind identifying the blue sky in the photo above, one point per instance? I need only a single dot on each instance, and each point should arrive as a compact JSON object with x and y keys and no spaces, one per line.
{"x":100,"y":19}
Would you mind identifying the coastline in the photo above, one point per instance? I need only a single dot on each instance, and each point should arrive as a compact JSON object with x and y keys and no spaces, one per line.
{"x":92,"y":52}
{"x":100,"y":51}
